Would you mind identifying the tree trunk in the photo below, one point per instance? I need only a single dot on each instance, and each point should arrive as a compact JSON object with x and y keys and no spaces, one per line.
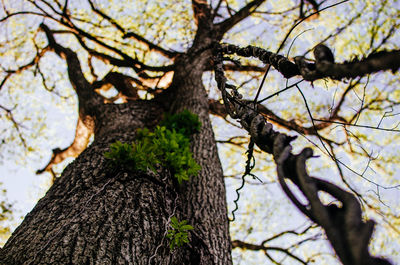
{"x":98,"y":214}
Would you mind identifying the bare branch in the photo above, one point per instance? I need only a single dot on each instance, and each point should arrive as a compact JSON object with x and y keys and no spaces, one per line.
{"x":217,"y":108}
{"x":249,"y":246}
{"x":380,"y":61}
{"x":347,"y":232}
{"x":384,"y":60}
{"x":149,"y":44}
{"x":80,"y":142}
{"x":16,"y":125}
{"x":86,"y":96}
{"x":243,"y":13}
{"x":136,"y":65}
{"x":121,"y":82}
{"x":293,"y":232}
{"x":359,"y":125}
{"x":23,"y":13}
{"x":34,"y":61}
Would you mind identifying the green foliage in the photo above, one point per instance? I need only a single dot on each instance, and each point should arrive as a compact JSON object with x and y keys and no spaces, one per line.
{"x":185,"y":122}
{"x":138,"y":155}
{"x":173,"y":150}
{"x":168,"y":146}
{"x":179,"y":233}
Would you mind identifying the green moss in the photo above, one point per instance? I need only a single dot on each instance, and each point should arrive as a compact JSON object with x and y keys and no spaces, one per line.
{"x":168,"y":145}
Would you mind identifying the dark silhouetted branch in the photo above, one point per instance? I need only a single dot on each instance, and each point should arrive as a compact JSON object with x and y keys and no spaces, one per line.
{"x":380,"y":61}
{"x":345,"y":229}
{"x":88,"y":99}
{"x":122,"y":84}
{"x":249,"y":246}
{"x":384,"y":60}
{"x":16,"y":125}
{"x":243,"y":13}
{"x":217,"y":108}
{"x":149,"y":44}
{"x":127,"y":61}
{"x":34,"y":61}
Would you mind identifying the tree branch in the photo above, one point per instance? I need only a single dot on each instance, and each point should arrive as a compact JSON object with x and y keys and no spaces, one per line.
{"x":34,"y":61}
{"x":122,"y":84}
{"x":80,"y":142}
{"x":375,"y":62}
{"x":151,"y":46}
{"x":16,"y":125}
{"x":384,"y":60}
{"x":249,"y":246}
{"x":202,"y":14}
{"x":217,"y":108}
{"x":86,"y":96}
{"x":147,"y":43}
{"x":240,"y":68}
{"x":127,"y":61}
{"x":23,"y":13}
{"x":243,"y":13}
{"x":343,"y":225}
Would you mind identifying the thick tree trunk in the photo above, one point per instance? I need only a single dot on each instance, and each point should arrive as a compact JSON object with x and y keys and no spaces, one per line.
{"x":97,"y":214}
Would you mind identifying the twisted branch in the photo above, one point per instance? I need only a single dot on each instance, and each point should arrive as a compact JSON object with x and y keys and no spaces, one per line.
{"x":348,"y":234}
{"x":375,"y":62}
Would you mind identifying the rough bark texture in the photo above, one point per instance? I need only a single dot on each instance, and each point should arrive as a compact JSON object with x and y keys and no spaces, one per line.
{"x":199,"y":204}
{"x":97,"y":214}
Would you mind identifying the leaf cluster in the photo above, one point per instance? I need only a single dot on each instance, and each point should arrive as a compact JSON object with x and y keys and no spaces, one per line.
{"x":179,"y":233}
{"x":172,"y":149}
{"x":185,"y":122}
{"x":135,"y":156}
{"x":168,"y":146}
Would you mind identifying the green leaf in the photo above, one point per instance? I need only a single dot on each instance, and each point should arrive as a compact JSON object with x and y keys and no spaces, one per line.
{"x":179,"y":233}
{"x":187,"y":227}
{"x":174,"y":222}
{"x":169,"y":147}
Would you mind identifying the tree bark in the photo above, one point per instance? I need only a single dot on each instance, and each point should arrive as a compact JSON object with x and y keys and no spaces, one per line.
{"x":99,"y":214}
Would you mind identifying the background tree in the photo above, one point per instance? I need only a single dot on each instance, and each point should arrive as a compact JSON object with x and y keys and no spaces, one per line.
{"x":124,"y":65}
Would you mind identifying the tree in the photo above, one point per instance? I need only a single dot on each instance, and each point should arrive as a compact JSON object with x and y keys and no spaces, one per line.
{"x":123,"y":199}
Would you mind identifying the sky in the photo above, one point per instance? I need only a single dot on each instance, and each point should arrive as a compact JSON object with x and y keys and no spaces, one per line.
{"x":24,"y":187}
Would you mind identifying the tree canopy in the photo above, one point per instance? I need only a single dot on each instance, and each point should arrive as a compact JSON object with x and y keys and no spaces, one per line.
{"x":280,"y":76}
